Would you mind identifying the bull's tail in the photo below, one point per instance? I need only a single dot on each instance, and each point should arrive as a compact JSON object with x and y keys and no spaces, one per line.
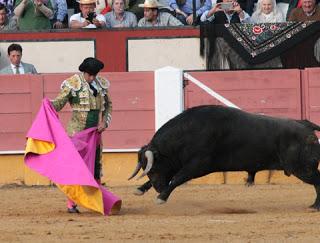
{"x":309,"y":124}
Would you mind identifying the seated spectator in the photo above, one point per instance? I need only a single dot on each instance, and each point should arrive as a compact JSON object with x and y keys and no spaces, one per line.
{"x":7,"y":23}
{"x":294,"y":4}
{"x":9,"y":4}
{"x":309,"y":11}
{"x":154,"y":18}
{"x":118,"y":17}
{"x":184,"y":13}
{"x":33,"y":14}
{"x":227,"y":11}
{"x":59,"y":20}
{"x":267,"y":12}
{"x":16,"y":66}
{"x":138,"y":12}
{"x":87,"y":18}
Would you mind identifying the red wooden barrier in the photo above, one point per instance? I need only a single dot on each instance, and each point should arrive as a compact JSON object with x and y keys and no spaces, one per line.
{"x":271,"y":92}
{"x":133,"y":107}
{"x":310,"y":92}
{"x":133,"y":110}
{"x":19,"y":101}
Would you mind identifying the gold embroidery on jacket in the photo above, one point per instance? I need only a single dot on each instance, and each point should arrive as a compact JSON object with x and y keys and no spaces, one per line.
{"x":77,"y":92}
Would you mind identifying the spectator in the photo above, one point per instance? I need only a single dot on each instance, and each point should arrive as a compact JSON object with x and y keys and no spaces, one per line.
{"x":7,"y":23}
{"x":295,"y":4}
{"x":33,"y":14}
{"x":309,"y":11}
{"x":267,"y":12}
{"x":87,"y":18}
{"x":184,"y":13}
{"x":9,"y":4}
{"x":16,"y":66}
{"x":138,"y":12}
{"x":118,"y":17}
{"x":227,"y":11}
{"x":154,"y":18}
{"x":59,"y":20}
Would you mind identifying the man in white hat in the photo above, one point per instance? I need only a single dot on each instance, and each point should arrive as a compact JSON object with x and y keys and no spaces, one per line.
{"x":154,"y":18}
{"x":87,"y":18}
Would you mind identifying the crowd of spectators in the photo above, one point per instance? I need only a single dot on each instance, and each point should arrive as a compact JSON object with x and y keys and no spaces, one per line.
{"x":29,"y":15}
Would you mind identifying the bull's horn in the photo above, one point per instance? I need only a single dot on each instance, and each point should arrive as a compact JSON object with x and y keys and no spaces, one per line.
{"x":136,"y":170}
{"x":149,"y":156}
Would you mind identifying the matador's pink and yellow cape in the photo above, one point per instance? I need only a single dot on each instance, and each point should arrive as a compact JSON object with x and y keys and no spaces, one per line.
{"x":68,"y":163}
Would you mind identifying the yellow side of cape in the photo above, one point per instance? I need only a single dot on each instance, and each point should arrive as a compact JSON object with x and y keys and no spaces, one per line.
{"x":86,"y":196}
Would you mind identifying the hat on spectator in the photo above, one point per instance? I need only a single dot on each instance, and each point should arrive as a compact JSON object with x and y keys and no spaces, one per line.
{"x":150,"y":4}
{"x":86,"y":1}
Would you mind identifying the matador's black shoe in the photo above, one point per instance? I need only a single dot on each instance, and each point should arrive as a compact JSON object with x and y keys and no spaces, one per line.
{"x":73,"y":210}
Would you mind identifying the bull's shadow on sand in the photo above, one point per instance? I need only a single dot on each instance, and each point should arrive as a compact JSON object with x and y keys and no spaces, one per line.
{"x":227,"y":199}
{"x":185,"y":208}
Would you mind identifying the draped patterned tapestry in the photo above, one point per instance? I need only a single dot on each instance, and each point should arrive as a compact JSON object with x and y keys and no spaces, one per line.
{"x":254,"y":43}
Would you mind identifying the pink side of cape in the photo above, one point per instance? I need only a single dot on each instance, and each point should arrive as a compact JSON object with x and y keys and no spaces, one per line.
{"x":66,"y":165}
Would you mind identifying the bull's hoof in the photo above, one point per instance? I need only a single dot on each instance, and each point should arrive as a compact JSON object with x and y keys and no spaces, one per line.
{"x":138,"y":192}
{"x":249,"y":183}
{"x":315,"y":206}
{"x":160,"y":201}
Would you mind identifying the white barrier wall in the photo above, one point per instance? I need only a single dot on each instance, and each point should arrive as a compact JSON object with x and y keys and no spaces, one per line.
{"x":169,"y":99}
{"x":153,"y":53}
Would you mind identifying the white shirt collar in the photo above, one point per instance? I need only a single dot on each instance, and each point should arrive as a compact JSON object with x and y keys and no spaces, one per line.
{"x":14,"y":66}
{"x":14,"y":69}
{"x":312,"y":13}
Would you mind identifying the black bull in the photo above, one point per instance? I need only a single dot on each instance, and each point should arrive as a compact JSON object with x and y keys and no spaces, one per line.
{"x":207,"y":139}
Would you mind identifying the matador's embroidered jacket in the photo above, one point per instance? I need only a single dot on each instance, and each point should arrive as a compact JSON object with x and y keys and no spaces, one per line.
{"x":77,"y":92}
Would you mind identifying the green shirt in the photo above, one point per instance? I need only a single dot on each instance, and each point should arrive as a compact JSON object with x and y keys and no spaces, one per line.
{"x":31,"y":19}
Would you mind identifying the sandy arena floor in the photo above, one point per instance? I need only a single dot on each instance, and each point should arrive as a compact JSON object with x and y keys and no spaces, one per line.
{"x":197,"y":213}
